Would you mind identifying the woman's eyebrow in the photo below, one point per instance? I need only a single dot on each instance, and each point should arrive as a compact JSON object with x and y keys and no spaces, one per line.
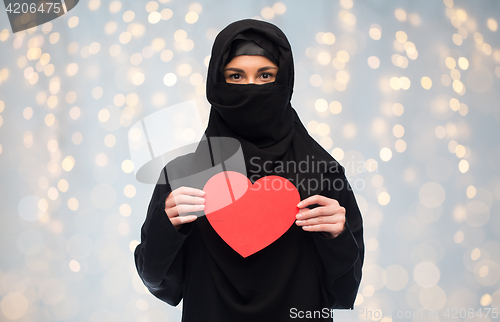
{"x":265,"y":68}
{"x":235,"y":70}
{"x":238,"y":70}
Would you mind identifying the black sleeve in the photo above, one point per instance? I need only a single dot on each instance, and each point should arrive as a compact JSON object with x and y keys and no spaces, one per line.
{"x":159,"y":256}
{"x":343,"y":256}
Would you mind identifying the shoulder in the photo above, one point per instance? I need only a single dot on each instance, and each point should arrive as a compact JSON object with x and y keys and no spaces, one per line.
{"x":314,"y":148}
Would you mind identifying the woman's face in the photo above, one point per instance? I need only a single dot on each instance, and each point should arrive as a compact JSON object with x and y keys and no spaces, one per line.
{"x":250,"y":69}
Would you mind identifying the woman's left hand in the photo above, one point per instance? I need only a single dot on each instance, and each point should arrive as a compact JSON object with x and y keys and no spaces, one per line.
{"x":328,"y":218}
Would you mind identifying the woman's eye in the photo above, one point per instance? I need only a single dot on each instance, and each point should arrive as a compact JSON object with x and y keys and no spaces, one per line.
{"x":267,"y":76}
{"x":235,"y":76}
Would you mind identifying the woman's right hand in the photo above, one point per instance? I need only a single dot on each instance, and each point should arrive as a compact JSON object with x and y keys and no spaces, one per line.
{"x":182,"y":201}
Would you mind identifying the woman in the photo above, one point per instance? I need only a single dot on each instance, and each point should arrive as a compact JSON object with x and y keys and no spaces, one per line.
{"x":316,"y":264}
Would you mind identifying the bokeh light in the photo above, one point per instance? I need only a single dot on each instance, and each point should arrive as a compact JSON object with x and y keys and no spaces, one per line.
{"x":404,"y":97}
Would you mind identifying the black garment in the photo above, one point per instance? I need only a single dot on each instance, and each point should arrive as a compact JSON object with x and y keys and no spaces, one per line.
{"x":300,"y":271}
{"x":248,"y":47}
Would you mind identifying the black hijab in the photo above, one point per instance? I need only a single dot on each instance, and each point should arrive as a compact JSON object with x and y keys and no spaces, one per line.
{"x":259,"y":114}
{"x":250,"y":47}
{"x":261,"y":117}
{"x":271,"y":135}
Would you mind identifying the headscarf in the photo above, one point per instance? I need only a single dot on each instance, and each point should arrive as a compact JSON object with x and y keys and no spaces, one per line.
{"x":249,"y":47}
{"x":260,"y":114}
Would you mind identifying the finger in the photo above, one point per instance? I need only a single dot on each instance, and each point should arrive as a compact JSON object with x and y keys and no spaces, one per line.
{"x":173,"y":201}
{"x":321,"y":211}
{"x":188,"y":200}
{"x":182,"y":220}
{"x":169,"y":203}
{"x":188,"y":191}
{"x":318,"y":211}
{"x":335,"y":230}
{"x":321,"y":220}
{"x":183,"y":209}
{"x":316,"y":199}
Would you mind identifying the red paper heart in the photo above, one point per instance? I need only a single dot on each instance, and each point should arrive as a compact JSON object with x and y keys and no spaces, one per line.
{"x":250,"y":217}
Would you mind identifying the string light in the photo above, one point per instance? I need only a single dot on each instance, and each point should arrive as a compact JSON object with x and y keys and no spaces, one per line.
{"x":399,"y":99}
